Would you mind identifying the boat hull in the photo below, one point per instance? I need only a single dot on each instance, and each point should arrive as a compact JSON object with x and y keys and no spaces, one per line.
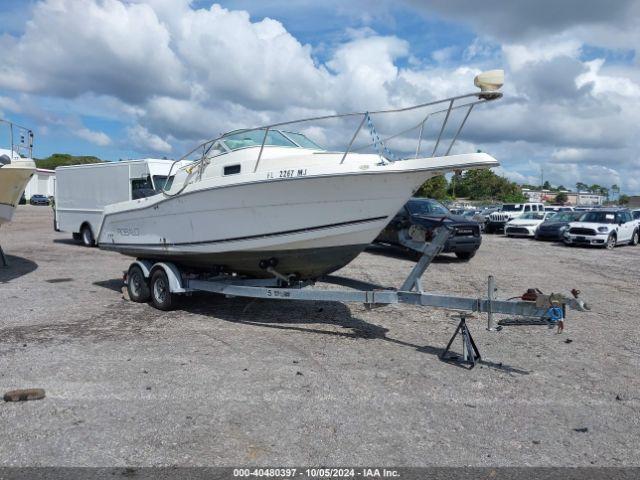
{"x":307,"y":263}
{"x":13,"y":180}
{"x":310,"y":225}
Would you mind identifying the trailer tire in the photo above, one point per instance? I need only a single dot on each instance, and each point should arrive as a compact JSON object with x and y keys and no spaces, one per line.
{"x":137,"y":285}
{"x":161,"y":296}
{"x":86,"y":236}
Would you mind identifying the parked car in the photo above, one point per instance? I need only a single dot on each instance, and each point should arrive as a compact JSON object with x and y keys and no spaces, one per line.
{"x":487,"y":212}
{"x":526,"y":225}
{"x":38,"y":199}
{"x":554,"y":225}
{"x":476,"y":216}
{"x":509,"y":211}
{"x":604,"y":228}
{"x":558,"y":208}
{"x":419,"y":218}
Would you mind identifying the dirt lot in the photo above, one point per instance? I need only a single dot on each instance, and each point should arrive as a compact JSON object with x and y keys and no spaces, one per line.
{"x":235,"y":381}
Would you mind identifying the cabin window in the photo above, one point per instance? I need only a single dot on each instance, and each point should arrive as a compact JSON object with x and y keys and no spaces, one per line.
{"x":231,"y":169}
{"x":142,"y":188}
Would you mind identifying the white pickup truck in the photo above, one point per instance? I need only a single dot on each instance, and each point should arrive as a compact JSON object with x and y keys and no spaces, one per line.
{"x":604,"y":228}
{"x":509,"y":211}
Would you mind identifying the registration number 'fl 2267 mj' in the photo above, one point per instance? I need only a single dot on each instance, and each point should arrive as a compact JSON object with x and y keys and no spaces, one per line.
{"x":300,"y":172}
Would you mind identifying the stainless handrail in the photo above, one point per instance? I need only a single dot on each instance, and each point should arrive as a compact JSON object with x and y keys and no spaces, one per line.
{"x":482,"y":97}
{"x":25,"y":131}
{"x":444,"y":124}
{"x":421,"y":125}
{"x":353,"y":139}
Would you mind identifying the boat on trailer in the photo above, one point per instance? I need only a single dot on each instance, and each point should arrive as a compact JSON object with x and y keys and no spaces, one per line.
{"x":270,"y":198}
{"x":263,"y":213}
{"x":16,"y":169}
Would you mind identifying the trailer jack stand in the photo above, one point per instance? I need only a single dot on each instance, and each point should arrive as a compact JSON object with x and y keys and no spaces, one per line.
{"x":3,"y":258}
{"x":470,"y":353}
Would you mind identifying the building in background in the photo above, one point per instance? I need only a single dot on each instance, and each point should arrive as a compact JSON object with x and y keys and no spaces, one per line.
{"x":42,"y":183}
{"x":573,"y":198}
{"x":584,"y":199}
{"x":539,"y":196}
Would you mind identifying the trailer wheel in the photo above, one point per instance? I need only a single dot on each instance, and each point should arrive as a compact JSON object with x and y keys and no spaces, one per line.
{"x":161,"y":296}
{"x":87,"y":236}
{"x":137,"y":285}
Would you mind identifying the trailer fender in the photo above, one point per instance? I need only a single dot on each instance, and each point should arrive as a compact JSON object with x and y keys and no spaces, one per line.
{"x":145,"y":266}
{"x":173,"y":274}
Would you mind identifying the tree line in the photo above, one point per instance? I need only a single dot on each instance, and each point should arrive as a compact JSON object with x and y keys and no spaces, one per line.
{"x":487,"y":185}
{"x":64,"y":159}
{"x":474,"y":185}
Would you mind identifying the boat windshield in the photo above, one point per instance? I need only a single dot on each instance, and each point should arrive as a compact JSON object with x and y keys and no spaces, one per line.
{"x":161,"y":182}
{"x":303,"y":141}
{"x":254,"y":138}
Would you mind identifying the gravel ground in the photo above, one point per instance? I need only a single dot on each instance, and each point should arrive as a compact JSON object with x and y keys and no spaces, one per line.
{"x":249,"y":382}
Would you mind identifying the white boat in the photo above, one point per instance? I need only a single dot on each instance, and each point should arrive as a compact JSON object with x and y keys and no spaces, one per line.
{"x":15,"y":170}
{"x":267,"y":200}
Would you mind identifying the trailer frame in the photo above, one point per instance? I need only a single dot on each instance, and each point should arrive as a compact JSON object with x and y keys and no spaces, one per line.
{"x":164,"y":280}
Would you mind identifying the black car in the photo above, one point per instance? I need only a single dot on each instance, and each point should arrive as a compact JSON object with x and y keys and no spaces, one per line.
{"x":419,"y":218}
{"x":38,"y":199}
{"x":554,"y":226}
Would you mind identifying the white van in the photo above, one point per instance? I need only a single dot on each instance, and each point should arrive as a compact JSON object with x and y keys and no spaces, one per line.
{"x":82,"y":191}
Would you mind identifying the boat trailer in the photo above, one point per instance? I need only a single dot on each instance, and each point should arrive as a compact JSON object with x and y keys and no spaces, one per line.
{"x":161,"y":281}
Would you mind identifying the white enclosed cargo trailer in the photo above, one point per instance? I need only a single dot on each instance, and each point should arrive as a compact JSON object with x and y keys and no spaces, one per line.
{"x":82,"y":191}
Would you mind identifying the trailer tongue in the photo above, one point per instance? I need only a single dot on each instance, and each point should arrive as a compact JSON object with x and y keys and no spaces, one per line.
{"x":161,"y":282}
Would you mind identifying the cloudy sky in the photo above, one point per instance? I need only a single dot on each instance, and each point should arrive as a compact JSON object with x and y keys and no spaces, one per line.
{"x":133,"y":78}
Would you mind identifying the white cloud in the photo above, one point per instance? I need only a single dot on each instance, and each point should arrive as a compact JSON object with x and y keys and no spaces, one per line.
{"x":445,"y":54}
{"x":107,"y":47}
{"x":9,"y":104}
{"x":605,"y":84}
{"x":99,"y":138}
{"x":177,"y":74}
{"x":519,"y":55}
{"x":147,"y":141}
